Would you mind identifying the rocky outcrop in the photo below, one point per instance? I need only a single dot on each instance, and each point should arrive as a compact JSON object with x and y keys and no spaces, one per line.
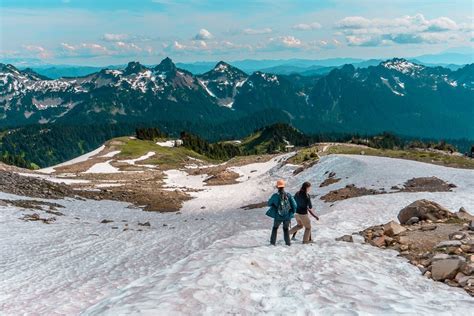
{"x":423,"y":210}
{"x":440,"y":243}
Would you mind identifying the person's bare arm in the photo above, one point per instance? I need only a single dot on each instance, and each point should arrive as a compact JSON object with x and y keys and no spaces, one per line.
{"x":312,"y":214}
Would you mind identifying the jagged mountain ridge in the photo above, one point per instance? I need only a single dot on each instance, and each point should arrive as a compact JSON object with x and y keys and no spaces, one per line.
{"x":395,"y":95}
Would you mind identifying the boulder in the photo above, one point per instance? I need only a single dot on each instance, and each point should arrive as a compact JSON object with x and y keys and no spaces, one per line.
{"x":467,"y":268}
{"x":463,"y":214}
{"x":393,"y":229}
{"x":424,"y":210}
{"x":412,"y":221}
{"x":445,"y":269}
{"x":346,"y":238}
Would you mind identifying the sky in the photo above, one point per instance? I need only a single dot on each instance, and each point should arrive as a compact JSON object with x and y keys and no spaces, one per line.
{"x":106,"y":32}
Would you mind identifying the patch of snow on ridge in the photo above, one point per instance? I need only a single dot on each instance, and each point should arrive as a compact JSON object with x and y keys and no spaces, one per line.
{"x":144,"y":157}
{"x":111,"y":154}
{"x":79,"y":159}
{"x":203,"y":84}
{"x":102,"y":167}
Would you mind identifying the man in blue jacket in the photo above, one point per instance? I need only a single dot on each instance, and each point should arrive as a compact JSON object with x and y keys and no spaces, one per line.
{"x":282,"y":209}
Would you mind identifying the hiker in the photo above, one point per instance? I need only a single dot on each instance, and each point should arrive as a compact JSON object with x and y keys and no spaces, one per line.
{"x":304,"y":206}
{"x":282,"y":209}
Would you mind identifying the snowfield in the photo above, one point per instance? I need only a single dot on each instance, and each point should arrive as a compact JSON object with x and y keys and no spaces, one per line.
{"x":216,"y":260}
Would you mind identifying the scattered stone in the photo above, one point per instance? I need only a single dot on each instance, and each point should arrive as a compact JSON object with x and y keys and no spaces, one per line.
{"x":114,"y":227}
{"x":106,"y":221}
{"x":424,"y":210}
{"x":346,"y":238}
{"x":144,"y":224}
{"x":393,"y":229}
{"x":445,"y":269}
{"x":35,"y":217}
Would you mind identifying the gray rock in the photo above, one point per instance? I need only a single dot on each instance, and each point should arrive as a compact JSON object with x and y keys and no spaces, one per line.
{"x":445,"y":269}
{"x":440,"y":256}
{"x":393,"y":229}
{"x":412,"y":220}
{"x":449,"y":243}
{"x":346,"y":238}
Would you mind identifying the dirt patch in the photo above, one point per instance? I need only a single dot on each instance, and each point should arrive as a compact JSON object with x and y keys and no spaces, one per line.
{"x":427,"y":184}
{"x":331,"y":179}
{"x":222,"y":178}
{"x":254,"y":206}
{"x":305,"y":165}
{"x":349,"y":191}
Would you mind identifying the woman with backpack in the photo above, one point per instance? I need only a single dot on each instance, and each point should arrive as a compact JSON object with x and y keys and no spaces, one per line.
{"x":282,"y":209}
{"x":304,"y":206}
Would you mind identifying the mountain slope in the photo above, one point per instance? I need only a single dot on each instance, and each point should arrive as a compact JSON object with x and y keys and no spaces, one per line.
{"x":396,"y":95}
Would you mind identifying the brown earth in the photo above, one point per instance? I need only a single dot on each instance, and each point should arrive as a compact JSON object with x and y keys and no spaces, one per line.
{"x":349,"y":191}
{"x":427,"y":184}
{"x":331,"y":179}
{"x":222,"y":178}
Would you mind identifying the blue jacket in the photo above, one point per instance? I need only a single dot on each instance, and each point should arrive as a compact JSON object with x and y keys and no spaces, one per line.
{"x":275,"y":201}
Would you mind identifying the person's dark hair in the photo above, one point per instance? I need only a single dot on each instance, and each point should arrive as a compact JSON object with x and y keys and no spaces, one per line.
{"x":304,"y":187}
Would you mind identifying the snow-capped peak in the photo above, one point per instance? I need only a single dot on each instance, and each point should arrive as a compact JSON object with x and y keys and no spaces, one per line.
{"x":221,"y":66}
{"x":402,"y":65}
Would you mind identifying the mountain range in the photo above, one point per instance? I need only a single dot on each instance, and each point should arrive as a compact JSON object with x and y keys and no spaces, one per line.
{"x":395,"y":95}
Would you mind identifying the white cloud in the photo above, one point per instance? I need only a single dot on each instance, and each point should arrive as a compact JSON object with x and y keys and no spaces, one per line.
{"x":109,"y":37}
{"x":83,"y":50}
{"x":203,"y":35}
{"x":249,"y":31}
{"x":360,"y":31}
{"x":39,"y":51}
{"x":307,"y":27}
{"x":286,"y":41}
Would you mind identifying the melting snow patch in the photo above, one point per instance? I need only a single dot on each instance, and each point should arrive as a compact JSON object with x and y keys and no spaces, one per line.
{"x":79,"y":159}
{"x":144,"y":157}
{"x":111,"y":154}
{"x":103,"y":167}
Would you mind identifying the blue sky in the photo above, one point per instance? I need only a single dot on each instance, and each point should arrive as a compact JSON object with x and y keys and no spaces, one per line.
{"x":104,"y":32}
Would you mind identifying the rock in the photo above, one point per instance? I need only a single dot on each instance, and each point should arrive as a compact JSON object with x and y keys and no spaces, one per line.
{"x":463,"y":214}
{"x":426,"y":228}
{"x":440,"y":256}
{"x":457,"y":236}
{"x":106,"y":221}
{"x":403,"y":247}
{"x":471,"y":258}
{"x":393,"y":229}
{"x":451,"y":283}
{"x":412,"y":220}
{"x":427,"y":274}
{"x":445,"y":269}
{"x":459,"y":276}
{"x":465,"y":280}
{"x":402,"y":239}
{"x":378,"y":241}
{"x":471,"y":225}
{"x":467,"y":268}
{"x":424,"y":210}
{"x":388,"y":240}
{"x":144,"y":224}
{"x":448,"y":243}
{"x":346,"y":238}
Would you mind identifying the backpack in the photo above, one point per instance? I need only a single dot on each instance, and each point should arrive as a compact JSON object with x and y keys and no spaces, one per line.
{"x":284,"y":206}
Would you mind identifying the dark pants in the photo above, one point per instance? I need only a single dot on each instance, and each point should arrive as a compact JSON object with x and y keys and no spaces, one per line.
{"x":286,"y":231}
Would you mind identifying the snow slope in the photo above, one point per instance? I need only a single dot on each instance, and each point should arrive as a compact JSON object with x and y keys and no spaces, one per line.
{"x":217,"y":260}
